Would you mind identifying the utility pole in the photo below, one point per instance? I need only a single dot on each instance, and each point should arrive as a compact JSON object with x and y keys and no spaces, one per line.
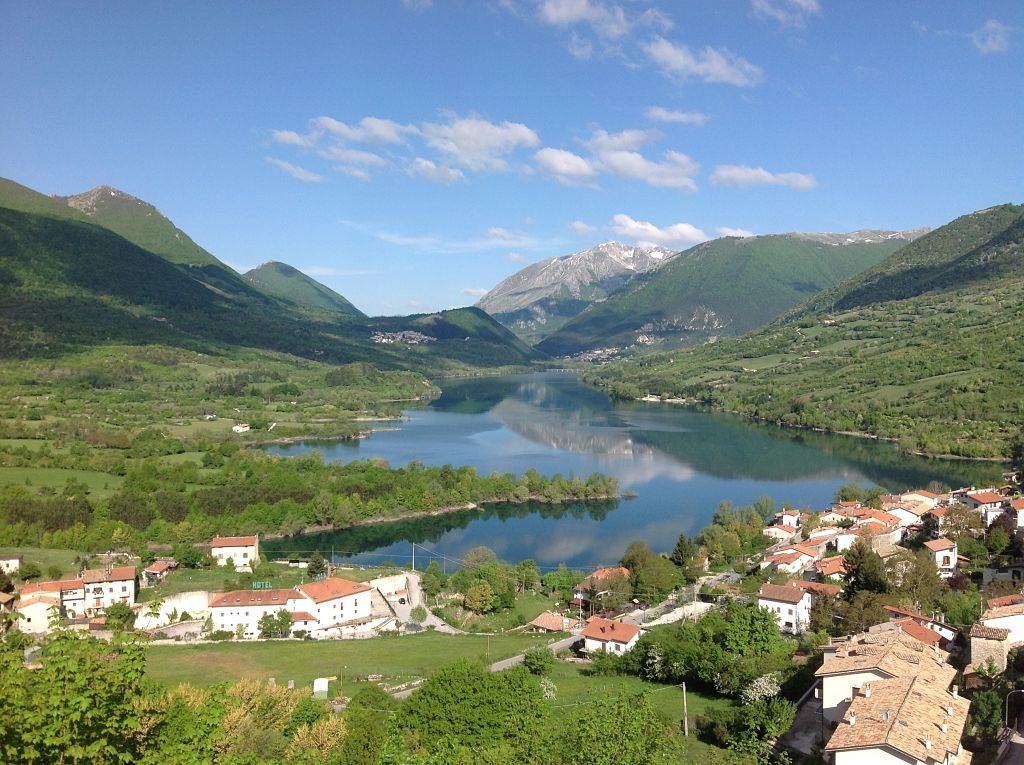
{"x":686,"y":714}
{"x":413,"y":556}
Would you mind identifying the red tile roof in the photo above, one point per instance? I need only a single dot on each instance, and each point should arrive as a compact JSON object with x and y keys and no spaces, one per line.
{"x":820,"y":588}
{"x":116,"y":574}
{"x":917,"y":631}
{"x":602,"y":574}
{"x":238,"y":598}
{"x":302,"y":616}
{"x":831,"y":566}
{"x":331,"y":588}
{"x":940,"y":544}
{"x":608,"y":631}
{"x":233,"y":541}
{"x":1005,"y":600}
{"x":158,"y":568}
{"x":55,"y":586}
{"x":1017,"y":504}
{"x":986,"y":497}
{"x":783,"y":593}
{"x":549,"y":621}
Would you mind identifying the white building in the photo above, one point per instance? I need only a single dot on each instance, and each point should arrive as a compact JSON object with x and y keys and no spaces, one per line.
{"x":36,"y":612}
{"x":243,"y":553}
{"x":791,"y":602}
{"x":70,"y":595}
{"x":609,"y":636}
{"x":1009,"y":617}
{"x":326,"y":608}
{"x":945,"y":553}
{"x":106,"y":586}
{"x":867,"y":657}
{"x":990,"y":504}
{"x":781,"y":532}
{"x":10,"y":564}
{"x":242,"y":427}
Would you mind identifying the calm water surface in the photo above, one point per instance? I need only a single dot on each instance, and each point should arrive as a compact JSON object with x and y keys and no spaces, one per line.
{"x":680,"y":462}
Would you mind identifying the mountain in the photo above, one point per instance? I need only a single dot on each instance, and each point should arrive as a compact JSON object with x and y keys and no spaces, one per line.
{"x":722,"y":287}
{"x":924,"y":348}
{"x":540,"y":298}
{"x":68,"y":283}
{"x":290,"y":284}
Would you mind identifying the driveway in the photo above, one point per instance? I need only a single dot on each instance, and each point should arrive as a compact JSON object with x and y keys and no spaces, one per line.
{"x":417,"y":598}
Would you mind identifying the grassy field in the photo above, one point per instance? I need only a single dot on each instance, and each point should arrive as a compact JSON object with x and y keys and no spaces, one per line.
{"x":100,"y":484}
{"x":44,"y":558}
{"x":398,"y":659}
{"x":575,"y":688}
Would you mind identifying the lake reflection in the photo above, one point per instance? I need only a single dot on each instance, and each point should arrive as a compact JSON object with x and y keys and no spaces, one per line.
{"x":681,"y":463}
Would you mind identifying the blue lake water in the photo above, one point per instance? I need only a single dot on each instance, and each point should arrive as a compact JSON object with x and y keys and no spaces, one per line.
{"x":681,"y":462}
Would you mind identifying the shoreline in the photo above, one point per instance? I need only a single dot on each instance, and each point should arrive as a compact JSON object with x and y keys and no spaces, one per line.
{"x":446,"y":510}
{"x":651,"y":399}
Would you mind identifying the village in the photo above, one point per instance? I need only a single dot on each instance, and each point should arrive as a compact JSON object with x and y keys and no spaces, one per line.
{"x":897,"y":690}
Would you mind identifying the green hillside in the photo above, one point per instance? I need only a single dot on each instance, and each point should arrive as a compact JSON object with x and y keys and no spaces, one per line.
{"x":287,"y":283}
{"x":68,"y":285}
{"x":723,"y":287}
{"x":926,"y":348}
{"x":14,"y":196}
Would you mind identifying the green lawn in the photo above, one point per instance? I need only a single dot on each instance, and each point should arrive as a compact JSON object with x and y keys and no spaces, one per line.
{"x":576,"y":688}
{"x":100,"y":484}
{"x":397,"y":658}
{"x":45,"y":557}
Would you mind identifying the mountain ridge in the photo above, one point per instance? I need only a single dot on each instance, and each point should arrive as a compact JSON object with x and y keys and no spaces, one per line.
{"x":289,"y":283}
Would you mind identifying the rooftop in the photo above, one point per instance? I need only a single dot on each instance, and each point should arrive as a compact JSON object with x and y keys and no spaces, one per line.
{"x":608,"y":631}
{"x":940,"y":544}
{"x":891,"y":652}
{"x":234,"y":541}
{"x":332,"y":588}
{"x":252,"y":598}
{"x":116,"y":574}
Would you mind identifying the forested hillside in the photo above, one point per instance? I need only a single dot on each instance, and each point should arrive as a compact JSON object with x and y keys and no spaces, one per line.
{"x":290,"y":284}
{"x":925,"y":348}
{"x":720,"y":288}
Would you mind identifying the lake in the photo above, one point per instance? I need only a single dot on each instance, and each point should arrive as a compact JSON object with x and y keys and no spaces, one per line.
{"x":681,"y":462}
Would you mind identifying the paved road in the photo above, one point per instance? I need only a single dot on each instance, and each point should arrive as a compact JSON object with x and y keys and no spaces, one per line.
{"x":417,"y":598}
{"x":512,"y":661}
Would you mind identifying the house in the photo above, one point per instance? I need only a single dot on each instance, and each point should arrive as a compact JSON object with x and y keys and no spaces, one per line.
{"x":1017,"y":509}
{"x":157,"y":571}
{"x":549,"y":621}
{"x":70,"y":595}
{"x":867,"y":657}
{"x":914,"y":720}
{"x":990,"y":504}
{"x":242,"y":427}
{"x":106,"y":586}
{"x":596,"y":585}
{"x":240,"y":611}
{"x":988,"y":643}
{"x":945,"y":631}
{"x":610,"y":636}
{"x":781,"y":532}
{"x":1004,"y":600}
{"x":791,"y":602}
{"x":338,"y":605}
{"x":831,"y":569}
{"x":935,"y":520}
{"x":944,"y":551}
{"x":908,"y":513}
{"x":1008,"y":618}
{"x":7,"y":601}
{"x":240,"y":552}
{"x":325,"y":608}
{"x":792,"y":559}
{"x":37,"y":612}
{"x":10,"y":564}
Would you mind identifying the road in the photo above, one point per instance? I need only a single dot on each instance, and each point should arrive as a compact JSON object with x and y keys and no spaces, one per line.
{"x":417,"y":598}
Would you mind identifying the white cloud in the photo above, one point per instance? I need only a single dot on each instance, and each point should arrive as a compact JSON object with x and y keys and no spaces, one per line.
{"x":477,"y":292}
{"x":435,"y":172}
{"x":291,"y":138}
{"x":296,"y":172}
{"x":602,"y":140}
{"x":582,"y":228}
{"x":606,"y":20}
{"x":660,"y":114}
{"x":367,"y":130}
{"x":580,"y":47}
{"x":745,"y":177}
{"x":991,"y":37}
{"x":493,"y":239}
{"x":788,"y":13}
{"x":352,"y":156}
{"x":477,"y":143}
{"x":418,"y":5}
{"x":710,"y":64}
{"x":565,"y":167}
{"x":360,"y":173}
{"x":676,"y":171}
{"x":515,"y":257}
{"x":645,"y":232}
{"x":740,"y":232}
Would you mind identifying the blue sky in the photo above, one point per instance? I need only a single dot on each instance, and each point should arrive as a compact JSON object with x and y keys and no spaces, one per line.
{"x":410,"y":154}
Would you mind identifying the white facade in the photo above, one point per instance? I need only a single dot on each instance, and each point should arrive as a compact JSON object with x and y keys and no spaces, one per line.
{"x":793,"y":618}
{"x":105,"y":587}
{"x":35,"y":614}
{"x":837,"y":691}
{"x":1014,"y":622}
{"x":244,"y":609}
{"x":242,"y":553}
{"x":10,"y":565}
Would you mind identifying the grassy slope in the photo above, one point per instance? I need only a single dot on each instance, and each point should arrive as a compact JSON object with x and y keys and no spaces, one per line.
{"x":288,"y":283}
{"x":69,"y":284}
{"x":924,"y":348}
{"x":744,"y":283}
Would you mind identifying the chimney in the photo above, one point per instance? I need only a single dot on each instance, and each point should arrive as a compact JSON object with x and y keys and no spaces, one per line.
{"x":949,"y":711}
{"x":867,"y":691}
{"x":853,"y":719}
{"x":928,"y":744}
{"x":885,"y":715}
{"x":944,"y":727}
{"x":956,"y":691}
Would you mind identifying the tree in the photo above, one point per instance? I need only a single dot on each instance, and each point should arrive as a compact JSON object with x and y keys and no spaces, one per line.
{"x":823,"y":614}
{"x":527,"y":575}
{"x":119,"y":617}
{"x":479,"y":597}
{"x":921,"y":582}
{"x":538,"y":660}
{"x":863,"y":610}
{"x":650,"y":576}
{"x":367,"y":718}
{"x":561,"y":581}
{"x":155,"y":607}
{"x":28,"y":571}
{"x":997,"y":541}
{"x":432,"y":580}
{"x":987,"y":713}
{"x":188,"y":556}
{"x":864,"y":570}
{"x":961,"y":519}
{"x":317,"y":567}
{"x":6,"y":585}
{"x":275,"y":625}
{"x":616,"y":730}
